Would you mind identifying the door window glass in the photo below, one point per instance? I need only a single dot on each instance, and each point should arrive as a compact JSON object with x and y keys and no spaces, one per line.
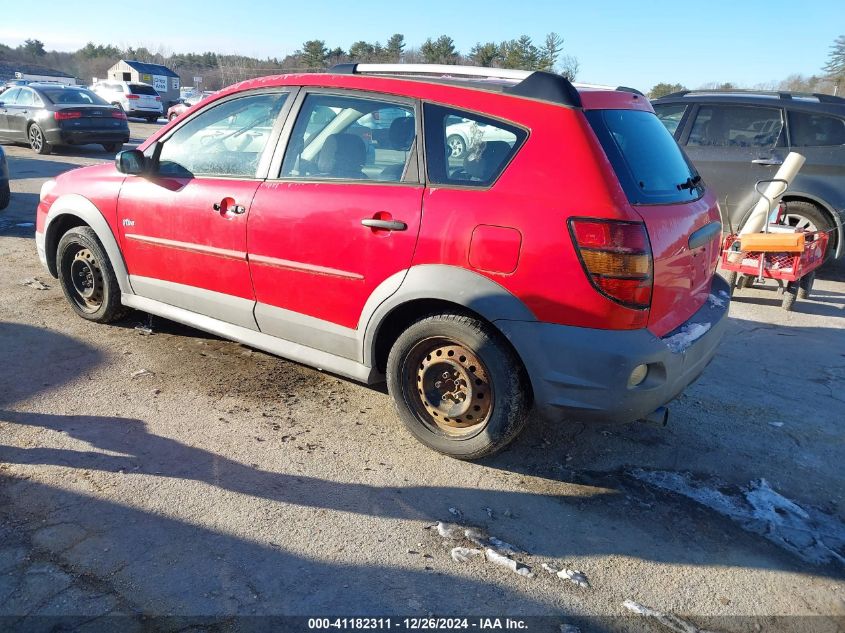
{"x":464,"y":148}
{"x":670,"y":115}
{"x":736,"y":126}
{"x":815,"y":130}
{"x":25,"y":98}
{"x":350,"y":138}
{"x":225,"y":140}
{"x":10,"y":97}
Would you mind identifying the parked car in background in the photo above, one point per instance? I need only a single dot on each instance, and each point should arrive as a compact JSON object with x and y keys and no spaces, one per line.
{"x":463,"y":281}
{"x":135,"y":99}
{"x":178,"y":109}
{"x":5,"y":191}
{"x":465,"y":134}
{"x":736,"y":138}
{"x":47,"y":115}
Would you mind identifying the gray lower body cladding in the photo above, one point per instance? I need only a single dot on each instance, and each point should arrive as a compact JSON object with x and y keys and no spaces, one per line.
{"x":583,"y":373}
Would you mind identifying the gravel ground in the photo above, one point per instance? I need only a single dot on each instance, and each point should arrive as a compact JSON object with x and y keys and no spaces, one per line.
{"x":223,"y":482}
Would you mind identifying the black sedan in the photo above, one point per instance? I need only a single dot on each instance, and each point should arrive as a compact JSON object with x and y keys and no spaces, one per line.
{"x":46,"y":115}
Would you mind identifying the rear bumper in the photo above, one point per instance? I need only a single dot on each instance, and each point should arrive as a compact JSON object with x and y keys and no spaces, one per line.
{"x":83,"y":137}
{"x":583,"y":373}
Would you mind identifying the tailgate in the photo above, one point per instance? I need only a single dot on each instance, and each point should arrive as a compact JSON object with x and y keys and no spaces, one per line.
{"x":685,"y":241}
{"x":681,"y":218}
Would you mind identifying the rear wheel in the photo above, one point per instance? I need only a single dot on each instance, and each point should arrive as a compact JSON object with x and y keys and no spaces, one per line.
{"x":86,"y":276}
{"x":457,"y":145}
{"x":457,"y":385}
{"x":37,"y":141}
{"x":807,"y":216}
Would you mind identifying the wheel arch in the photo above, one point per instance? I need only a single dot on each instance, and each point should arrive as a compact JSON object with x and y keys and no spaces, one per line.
{"x":72,"y":210}
{"x":435,"y":288}
{"x":827,"y":210}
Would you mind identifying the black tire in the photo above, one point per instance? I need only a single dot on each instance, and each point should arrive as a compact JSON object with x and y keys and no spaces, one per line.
{"x":805,"y":286}
{"x":790,"y":293}
{"x":112,"y":147}
{"x":732,"y":280}
{"x":457,"y":145}
{"x":152,"y":119}
{"x":5,"y":194}
{"x":747,"y":281}
{"x":37,"y":140}
{"x":87,"y":277}
{"x":807,"y":215}
{"x":486,"y":393}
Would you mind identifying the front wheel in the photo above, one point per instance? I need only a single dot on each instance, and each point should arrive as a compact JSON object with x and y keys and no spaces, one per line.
{"x":458,"y":386}
{"x":87,"y":277}
{"x":37,"y":141}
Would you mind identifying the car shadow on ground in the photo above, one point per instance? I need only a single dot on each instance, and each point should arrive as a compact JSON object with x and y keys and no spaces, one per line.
{"x":125,"y":447}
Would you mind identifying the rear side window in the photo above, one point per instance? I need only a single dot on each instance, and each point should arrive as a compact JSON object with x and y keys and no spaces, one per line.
{"x":464,"y":148}
{"x":650,"y":166}
{"x":815,"y":130}
{"x":140,"y":89}
{"x":736,"y":126}
{"x":26,"y":98}
{"x":670,"y":115}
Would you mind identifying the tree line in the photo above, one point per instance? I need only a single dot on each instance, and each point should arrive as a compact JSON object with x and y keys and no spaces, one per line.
{"x":218,"y":70}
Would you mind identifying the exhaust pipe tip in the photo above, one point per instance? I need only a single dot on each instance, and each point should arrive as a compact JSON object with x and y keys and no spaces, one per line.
{"x":658,"y":417}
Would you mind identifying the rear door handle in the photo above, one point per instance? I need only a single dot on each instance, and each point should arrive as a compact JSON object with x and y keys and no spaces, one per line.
{"x":387,"y":225}
{"x":767,"y":161}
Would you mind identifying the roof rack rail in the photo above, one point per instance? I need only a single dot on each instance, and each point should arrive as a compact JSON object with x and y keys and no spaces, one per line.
{"x":782,"y":94}
{"x":533,"y":84}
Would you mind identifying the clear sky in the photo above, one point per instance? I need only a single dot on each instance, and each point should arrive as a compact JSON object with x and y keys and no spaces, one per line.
{"x":635,"y":43}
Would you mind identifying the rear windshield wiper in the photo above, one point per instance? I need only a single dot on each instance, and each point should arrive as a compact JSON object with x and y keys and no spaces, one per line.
{"x":690,"y":183}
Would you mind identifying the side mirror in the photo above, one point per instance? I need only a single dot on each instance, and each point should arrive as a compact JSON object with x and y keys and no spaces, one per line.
{"x":131,"y":162}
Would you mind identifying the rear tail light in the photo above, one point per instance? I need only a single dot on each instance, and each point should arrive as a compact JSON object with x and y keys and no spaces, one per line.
{"x":64,"y":115}
{"x":118,"y":114}
{"x":132,"y":97}
{"x":616,"y":256}
{"x":158,"y":98}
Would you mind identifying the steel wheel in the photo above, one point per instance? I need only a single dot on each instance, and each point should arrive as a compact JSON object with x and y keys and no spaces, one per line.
{"x":448,"y":387}
{"x":86,"y":280}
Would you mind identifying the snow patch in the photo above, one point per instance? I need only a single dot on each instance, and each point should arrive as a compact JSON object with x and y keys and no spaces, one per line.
{"x":715,"y":301}
{"x":688,"y":335}
{"x":504,"y":561}
{"x":808,"y":532}
{"x":463,"y":554}
{"x":669,"y":621}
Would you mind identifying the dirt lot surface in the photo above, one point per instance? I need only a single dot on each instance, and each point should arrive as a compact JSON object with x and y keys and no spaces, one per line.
{"x":224,"y":482}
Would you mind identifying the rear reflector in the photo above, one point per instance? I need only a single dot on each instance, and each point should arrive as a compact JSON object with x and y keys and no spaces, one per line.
{"x":64,"y":115}
{"x":616,"y":257}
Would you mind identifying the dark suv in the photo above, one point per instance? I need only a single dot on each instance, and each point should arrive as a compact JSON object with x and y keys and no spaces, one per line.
{"x":737,"y":138}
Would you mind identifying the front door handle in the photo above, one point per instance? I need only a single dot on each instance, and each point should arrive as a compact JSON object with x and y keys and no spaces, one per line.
{"x":227,"y":205}
{"x":387,"y":225}
{"x":767,"y":161}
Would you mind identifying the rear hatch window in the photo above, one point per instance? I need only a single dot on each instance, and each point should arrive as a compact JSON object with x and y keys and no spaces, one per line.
{"x":139,"y":89}
{"x":650,"y":166}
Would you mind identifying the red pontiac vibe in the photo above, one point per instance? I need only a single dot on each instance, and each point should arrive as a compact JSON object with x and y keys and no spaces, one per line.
{"x":559,"y":258}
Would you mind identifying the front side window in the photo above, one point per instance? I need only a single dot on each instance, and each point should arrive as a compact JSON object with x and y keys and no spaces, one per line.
{"x":815,"y":130}
{"x":226,"y":140}
{"x":351,"y":138}
{"x":464,"y":148}
{"x":10,"y":97}
{"x":670,"y":115}
{"x":736,"y":126}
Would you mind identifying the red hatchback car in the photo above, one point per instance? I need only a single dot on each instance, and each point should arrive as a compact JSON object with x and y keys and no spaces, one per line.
{"x":564,"y":261}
